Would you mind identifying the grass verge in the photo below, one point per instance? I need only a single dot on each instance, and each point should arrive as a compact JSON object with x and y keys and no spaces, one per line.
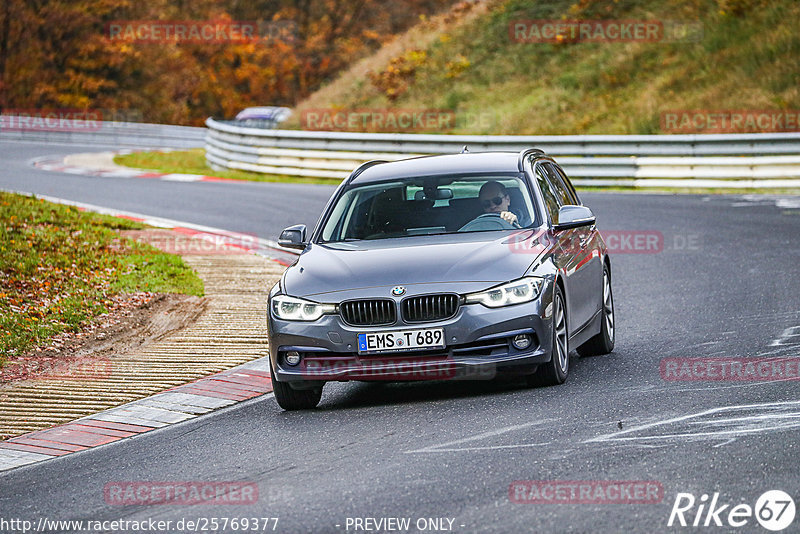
{"x":60,"y":267}
{"x":194,"y":162}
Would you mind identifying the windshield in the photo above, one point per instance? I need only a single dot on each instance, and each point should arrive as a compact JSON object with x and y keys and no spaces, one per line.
{"x":430,"y":205}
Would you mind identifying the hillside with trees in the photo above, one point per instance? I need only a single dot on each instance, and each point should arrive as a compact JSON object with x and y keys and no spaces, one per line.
{"x":57,"y":54}
{"x":707,"y":58}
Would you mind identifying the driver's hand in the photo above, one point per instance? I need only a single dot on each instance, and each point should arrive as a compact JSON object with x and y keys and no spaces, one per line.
{"x":509,"y":217}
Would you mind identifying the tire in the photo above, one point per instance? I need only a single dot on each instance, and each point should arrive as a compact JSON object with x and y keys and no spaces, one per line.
{"x":296,"y":399}
{"x":603,"y":342}
{"x":556,"y":370}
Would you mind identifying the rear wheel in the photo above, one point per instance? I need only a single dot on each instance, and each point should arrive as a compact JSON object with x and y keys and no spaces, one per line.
{"x":603,"y":342}
{"x":296,"y":399}
{"x":556,"y":370}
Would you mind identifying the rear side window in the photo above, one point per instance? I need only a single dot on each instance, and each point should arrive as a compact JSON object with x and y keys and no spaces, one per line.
{"x":560,"y":189}
{"x":549,"y":196}
{"x":564,"y":181}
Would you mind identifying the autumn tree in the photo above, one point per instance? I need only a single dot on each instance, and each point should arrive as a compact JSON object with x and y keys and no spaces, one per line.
{"x":57,"y":54}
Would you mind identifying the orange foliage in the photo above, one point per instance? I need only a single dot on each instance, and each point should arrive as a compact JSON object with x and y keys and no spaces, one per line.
{"x":56,"y":54}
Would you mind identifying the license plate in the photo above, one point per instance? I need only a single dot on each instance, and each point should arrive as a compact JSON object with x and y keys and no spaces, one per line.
{"x":400,"y":340}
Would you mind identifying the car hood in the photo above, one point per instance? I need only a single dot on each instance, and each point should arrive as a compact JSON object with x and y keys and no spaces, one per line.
{"x":475,"y":261}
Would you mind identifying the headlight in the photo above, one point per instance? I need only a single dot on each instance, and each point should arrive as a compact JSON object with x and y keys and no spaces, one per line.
{"x":516,"y":292}
{"x":294,"y":309}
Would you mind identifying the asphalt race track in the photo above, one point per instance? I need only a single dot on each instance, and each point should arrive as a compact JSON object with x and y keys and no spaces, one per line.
{"x":721,"y":282}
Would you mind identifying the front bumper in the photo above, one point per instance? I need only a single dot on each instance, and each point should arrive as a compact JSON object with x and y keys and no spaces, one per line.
{"x":478,"y":346}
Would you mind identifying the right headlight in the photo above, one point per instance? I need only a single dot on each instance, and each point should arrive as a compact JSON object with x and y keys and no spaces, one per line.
{"x":295,"y":309}
{"x":523,"y":290}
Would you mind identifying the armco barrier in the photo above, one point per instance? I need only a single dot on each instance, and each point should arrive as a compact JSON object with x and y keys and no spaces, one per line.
{"x":708,"y":161}
{"x":116,"y":134}
{"x":717,"y":160}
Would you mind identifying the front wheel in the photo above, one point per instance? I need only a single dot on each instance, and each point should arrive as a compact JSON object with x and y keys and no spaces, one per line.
{"x":603,"y":342}
{"x":296,"y":399}
{"x":556,"y":370}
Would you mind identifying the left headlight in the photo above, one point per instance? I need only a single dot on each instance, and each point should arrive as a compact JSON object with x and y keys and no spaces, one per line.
{"x":295,"y":309}
{"x":516,"y":292}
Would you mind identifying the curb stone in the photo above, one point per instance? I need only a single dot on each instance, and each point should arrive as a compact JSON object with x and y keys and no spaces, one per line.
{"x":231,"y":333}
{"x":179,"y":404}
{"x":101,"y":169}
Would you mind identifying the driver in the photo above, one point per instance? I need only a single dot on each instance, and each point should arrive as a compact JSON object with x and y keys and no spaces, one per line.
{"x":495,"y":199}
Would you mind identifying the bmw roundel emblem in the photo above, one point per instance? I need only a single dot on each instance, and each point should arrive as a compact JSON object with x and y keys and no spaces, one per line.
{"x":399,"y":290}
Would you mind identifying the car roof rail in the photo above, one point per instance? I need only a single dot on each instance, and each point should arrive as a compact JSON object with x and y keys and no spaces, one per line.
{"x":363,"y":167}
{"x":524,"y":153}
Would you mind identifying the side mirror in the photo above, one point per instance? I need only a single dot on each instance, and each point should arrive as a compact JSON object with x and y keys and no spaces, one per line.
{"x":574,"y":217}
{"x":293,"y":237}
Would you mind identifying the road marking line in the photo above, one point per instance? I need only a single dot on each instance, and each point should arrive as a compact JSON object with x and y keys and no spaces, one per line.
{"x":483,"y":435}
{"x":791,"y":334}
{"x":487,"y":448}
{"x":783,"y":421}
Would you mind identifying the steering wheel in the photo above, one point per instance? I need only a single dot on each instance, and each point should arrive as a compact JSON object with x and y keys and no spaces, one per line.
{"x":487,"y":221}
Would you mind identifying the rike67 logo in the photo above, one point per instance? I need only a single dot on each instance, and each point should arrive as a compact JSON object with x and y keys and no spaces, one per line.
{"x":774,"y":510}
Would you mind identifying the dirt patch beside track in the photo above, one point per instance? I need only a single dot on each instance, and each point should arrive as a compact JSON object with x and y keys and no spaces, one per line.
{"x":135,"y":321}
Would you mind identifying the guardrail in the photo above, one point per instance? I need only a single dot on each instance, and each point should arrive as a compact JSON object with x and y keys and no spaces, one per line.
{"x":707,"y":161}
{"x":119,"y":134}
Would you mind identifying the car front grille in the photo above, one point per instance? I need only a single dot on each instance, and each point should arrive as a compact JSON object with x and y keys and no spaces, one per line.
{"x":429,"y":308}
{"x":372,"y":312}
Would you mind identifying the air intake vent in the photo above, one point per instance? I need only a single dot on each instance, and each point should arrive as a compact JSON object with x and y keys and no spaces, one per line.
{"x":368,"y":312}
{"x":429,"y":308}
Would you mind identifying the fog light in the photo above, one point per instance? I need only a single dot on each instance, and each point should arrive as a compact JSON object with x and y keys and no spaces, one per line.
{"x":292,"y":357}
{"x":521,"y":341}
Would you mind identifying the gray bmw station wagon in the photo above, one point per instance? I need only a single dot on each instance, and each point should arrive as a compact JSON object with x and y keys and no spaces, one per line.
{"x":458,"y":266}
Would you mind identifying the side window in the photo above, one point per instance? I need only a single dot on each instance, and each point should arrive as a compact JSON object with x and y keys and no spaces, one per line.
{"x":567,"y":184}
{"x":550,"y":200}
{"x":559,"y":188}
